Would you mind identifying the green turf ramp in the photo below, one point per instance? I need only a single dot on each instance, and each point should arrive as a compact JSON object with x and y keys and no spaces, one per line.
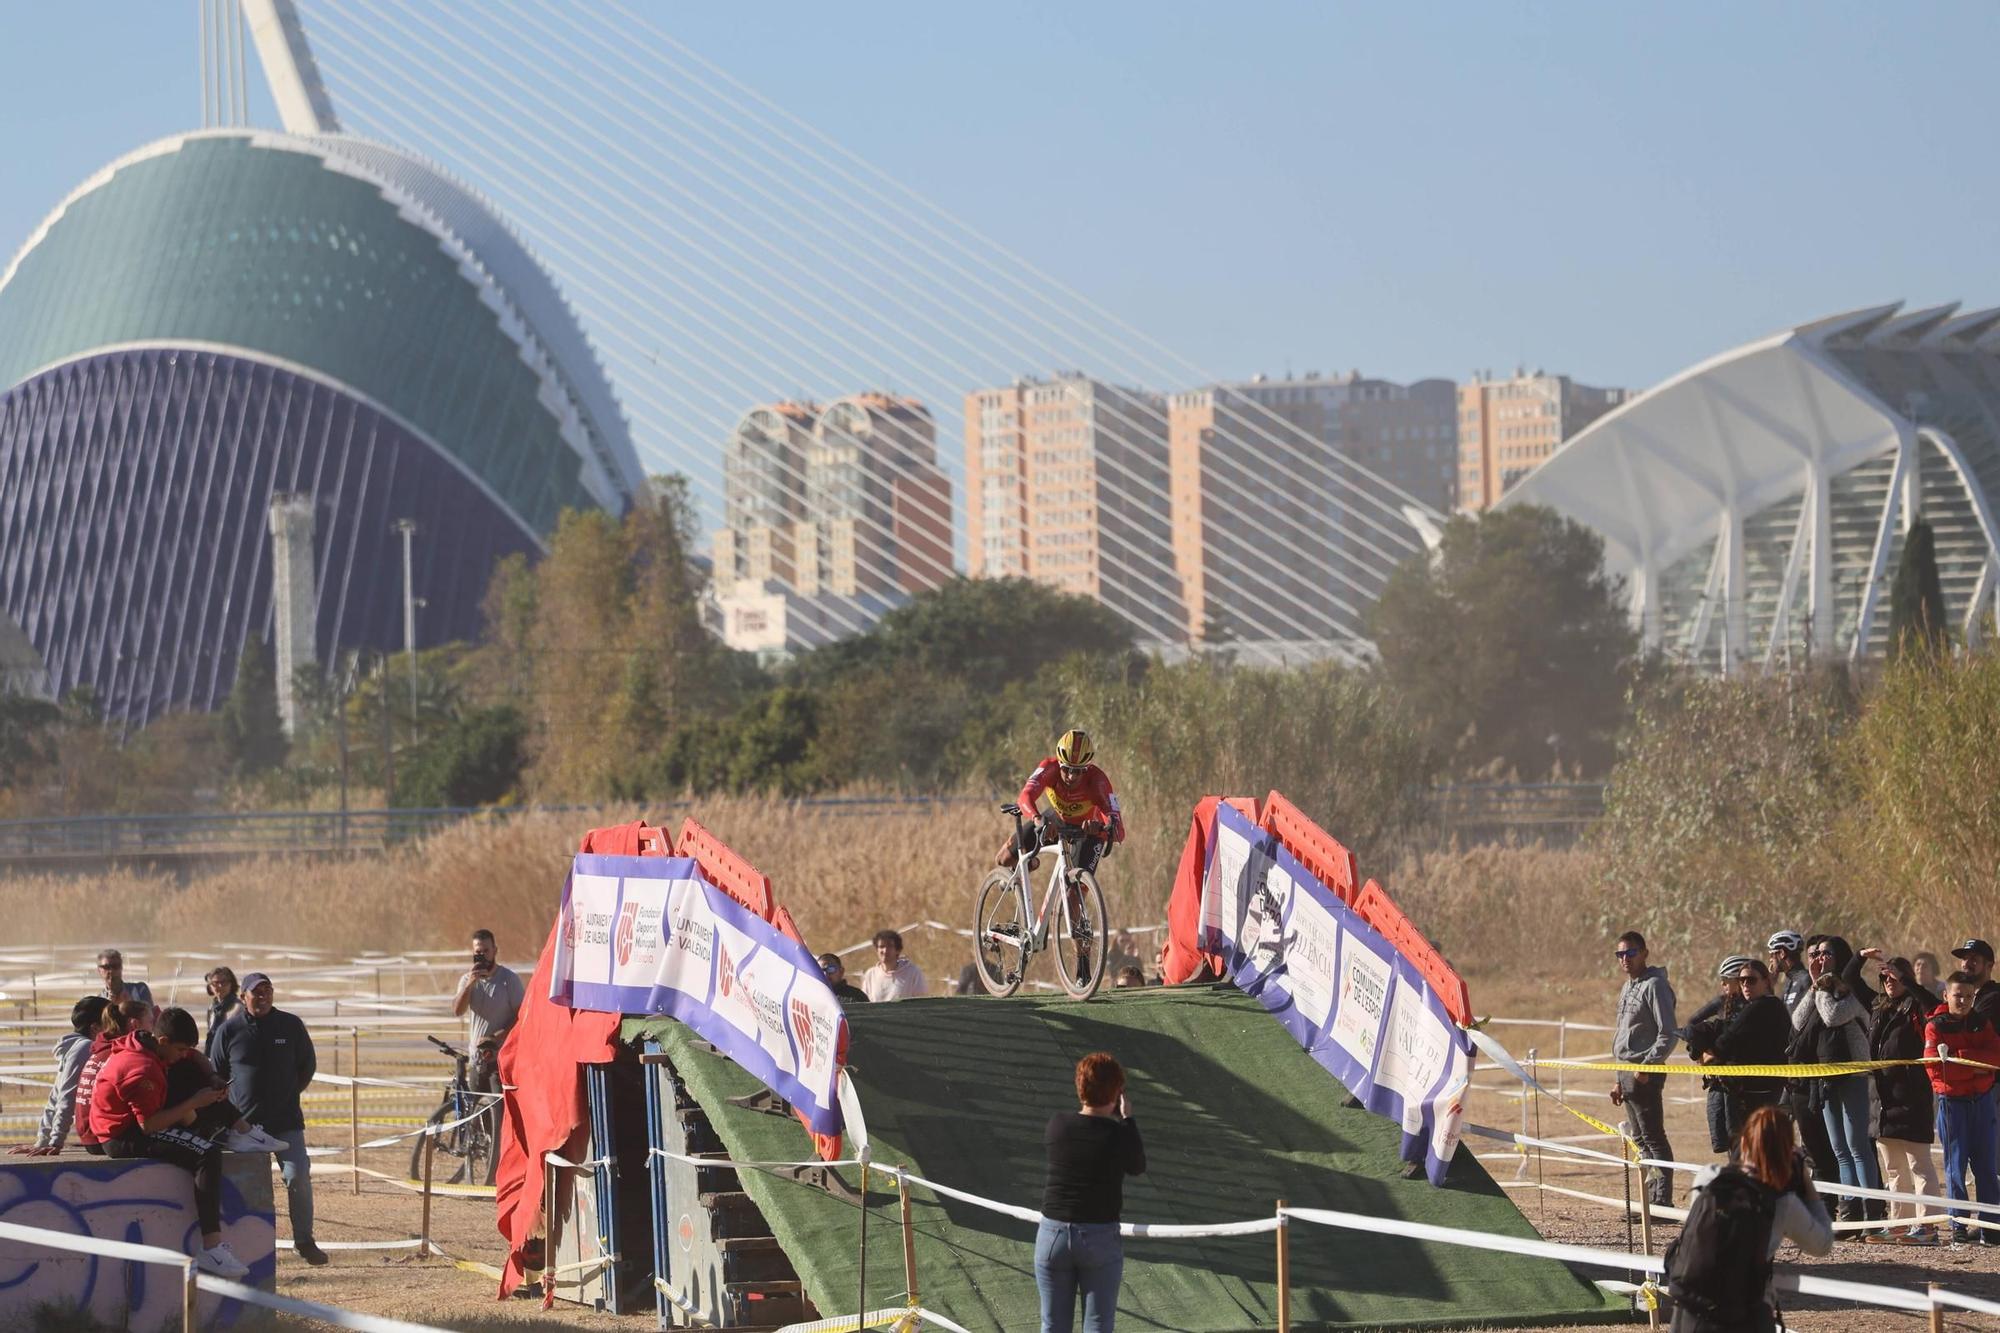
{"x":1235,"y":1116}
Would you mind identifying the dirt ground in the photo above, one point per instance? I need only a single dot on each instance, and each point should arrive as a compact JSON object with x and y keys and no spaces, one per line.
{"x":433,"y":1291}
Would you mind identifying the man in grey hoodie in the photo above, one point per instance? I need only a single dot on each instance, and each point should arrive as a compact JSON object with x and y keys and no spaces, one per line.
{"x":72,"y":1049}
{"x":1645,"y":1035}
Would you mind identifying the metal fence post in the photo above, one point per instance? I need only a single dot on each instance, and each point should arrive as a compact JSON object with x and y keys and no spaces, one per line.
{"x":1284,"y":1271}
{"x":1535,"y":1096}
{"x":424,"y":1238}
{"x":909,"y":1237}
{"x":354,"y":1107}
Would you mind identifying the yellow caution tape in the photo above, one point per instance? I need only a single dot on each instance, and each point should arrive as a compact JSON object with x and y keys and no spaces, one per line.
{"x":1832,"y":1070}
{"x":1649,"y":1292}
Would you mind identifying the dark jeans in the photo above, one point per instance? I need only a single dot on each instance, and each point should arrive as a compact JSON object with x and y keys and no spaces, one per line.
{"x":1812,"y":1133}
{"x":189,"y":1151}
{"x":1739,"y":1103}
{"x":1845,"y":1112}
{"x":1719,"y":1136}
{"x":1646,"y":1119}
{"x":1073,"y":1257}
{"x":1966,"y":1126}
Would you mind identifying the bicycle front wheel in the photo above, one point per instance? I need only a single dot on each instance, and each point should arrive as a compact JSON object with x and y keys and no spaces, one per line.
{"x":1082,"y":937}
{"x":1000,"y":935}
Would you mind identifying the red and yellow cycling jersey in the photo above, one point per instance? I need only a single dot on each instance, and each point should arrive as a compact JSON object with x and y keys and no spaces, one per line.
{"x":1076,"y":799}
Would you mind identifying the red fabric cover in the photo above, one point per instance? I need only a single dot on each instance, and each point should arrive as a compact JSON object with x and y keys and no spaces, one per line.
{"x":131,"y":1086}
{"x":544,"y":1110}
{"x":1180,"y":960}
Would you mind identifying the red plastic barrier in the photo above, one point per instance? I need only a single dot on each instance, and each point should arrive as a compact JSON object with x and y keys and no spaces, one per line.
{"x":725,"y":869}
{"x":782,"y":919}
{"x":1316,"y":849}
{"x":1376,"y":908}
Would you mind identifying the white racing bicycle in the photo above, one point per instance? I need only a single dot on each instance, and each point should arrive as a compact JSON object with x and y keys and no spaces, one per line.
{"x":1007,"y":931}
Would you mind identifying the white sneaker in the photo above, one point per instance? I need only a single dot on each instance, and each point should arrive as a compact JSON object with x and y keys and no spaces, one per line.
{"x":271,"y":1142}
{"x":242,"y":1140}
{"x":222,"y":1261}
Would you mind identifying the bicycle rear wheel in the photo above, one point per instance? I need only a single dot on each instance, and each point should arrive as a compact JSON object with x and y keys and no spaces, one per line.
{"x":1000,"y":935}
{"x":1082,"y":937}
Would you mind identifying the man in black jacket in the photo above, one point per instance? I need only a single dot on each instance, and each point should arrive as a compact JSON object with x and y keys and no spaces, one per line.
{"x":267,"y":1056}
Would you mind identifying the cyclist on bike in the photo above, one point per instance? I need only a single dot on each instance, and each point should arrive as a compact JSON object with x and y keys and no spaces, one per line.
{"x":1083,"y":809}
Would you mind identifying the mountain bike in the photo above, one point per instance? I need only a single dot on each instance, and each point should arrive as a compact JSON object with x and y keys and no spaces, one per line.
{"x":1007,"y":931}
{"x":473,"y":1144}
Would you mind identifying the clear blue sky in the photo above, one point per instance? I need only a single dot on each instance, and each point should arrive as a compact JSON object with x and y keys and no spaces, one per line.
{"x":1615,"y":190}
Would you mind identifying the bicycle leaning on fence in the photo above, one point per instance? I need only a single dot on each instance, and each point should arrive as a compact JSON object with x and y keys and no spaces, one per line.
{"x":471,"y":1139}
{"x":1008,"y":932}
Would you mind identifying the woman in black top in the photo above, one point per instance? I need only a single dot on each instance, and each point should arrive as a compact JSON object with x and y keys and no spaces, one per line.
{"x":1091,"y":1151}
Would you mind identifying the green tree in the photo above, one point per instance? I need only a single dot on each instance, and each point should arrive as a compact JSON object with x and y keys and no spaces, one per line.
{"x":253,"y":736}
{"x":29,"y":738}
{"x":984,"y":632}
{"x":1509,"y":644}
{"x":1925,"y":761}
{"x":1917,"y":617}
{"x":476,"y":761}
{"x":1725,"y":801}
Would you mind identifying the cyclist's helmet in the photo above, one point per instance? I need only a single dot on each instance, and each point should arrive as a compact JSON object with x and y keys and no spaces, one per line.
{"x":1074,"y":749}
{"x":1785,"y":939}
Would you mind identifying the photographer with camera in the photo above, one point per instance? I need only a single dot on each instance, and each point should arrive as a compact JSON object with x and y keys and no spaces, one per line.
{"x":492,"y":995}
{"x":1718,"y":1269}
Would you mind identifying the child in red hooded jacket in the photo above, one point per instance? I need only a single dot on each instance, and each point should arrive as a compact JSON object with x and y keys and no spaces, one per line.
{"x":1964,"y":1101}
{"x":129,"y":1114}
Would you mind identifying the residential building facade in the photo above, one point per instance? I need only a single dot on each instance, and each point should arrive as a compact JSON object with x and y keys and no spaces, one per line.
{"x":1507,"y":427}
{"x":1282,"y":494}
{"x":1067,"y":483}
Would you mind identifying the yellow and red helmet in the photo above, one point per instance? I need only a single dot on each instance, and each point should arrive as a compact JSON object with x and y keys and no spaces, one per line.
{"x":1074,"y":749}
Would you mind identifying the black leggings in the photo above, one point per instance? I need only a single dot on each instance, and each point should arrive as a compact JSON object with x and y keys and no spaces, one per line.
{"x":191,"y":1153}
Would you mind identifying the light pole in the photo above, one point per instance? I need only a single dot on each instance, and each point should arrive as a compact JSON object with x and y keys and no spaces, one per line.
{"x":408,"y":528}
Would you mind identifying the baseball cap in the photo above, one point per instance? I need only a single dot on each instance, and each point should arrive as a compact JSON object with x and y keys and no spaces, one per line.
{"x":254,"y":980}
{"x":1971,"y":947}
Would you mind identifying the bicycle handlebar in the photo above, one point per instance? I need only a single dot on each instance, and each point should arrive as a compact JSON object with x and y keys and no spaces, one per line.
{"x":443,"y":1046}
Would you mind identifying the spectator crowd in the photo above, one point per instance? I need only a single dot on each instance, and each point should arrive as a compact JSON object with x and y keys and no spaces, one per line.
{"x":1809,"y":1002}
{"x":134,"y":1080}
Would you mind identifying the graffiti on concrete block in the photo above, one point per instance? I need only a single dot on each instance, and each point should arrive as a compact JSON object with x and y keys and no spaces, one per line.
{"x":145,"y":1203}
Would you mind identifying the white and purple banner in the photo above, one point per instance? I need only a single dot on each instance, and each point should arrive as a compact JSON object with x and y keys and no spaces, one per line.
{"x":1359,"y":1007}
{"x":650,"y":935}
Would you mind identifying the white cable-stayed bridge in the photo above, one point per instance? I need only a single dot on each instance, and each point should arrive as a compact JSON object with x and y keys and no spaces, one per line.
{"x":723,"y":255}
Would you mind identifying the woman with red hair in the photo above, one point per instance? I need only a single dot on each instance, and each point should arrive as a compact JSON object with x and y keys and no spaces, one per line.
{"x":1091,"y":1151}
{"x":1718,"y":1271}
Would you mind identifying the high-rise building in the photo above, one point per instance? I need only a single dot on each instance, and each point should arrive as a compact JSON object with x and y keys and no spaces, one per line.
{"x":878,"y":509}
{"x":763,"y":496}
{"x":832,"y":516}
{"x":1067,"y":484}
{"x":1506,"y":427}
{"x":1278,"y":487}
{"x":228,"y":315}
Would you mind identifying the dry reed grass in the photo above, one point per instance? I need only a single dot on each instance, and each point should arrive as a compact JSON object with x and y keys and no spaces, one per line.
{"x":1507,"y":916}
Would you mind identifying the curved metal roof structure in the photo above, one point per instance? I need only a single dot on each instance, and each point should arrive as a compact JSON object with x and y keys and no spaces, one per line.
{"x":359,"y":264}
{"x":1756,"y":503}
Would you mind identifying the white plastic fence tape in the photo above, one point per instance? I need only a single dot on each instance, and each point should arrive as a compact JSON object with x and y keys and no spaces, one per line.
{"x":153,"y":1254}
{"x":326,"y":1314}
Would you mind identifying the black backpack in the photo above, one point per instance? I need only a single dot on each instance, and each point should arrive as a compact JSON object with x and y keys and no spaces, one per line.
{"x":1719,"y":1267}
